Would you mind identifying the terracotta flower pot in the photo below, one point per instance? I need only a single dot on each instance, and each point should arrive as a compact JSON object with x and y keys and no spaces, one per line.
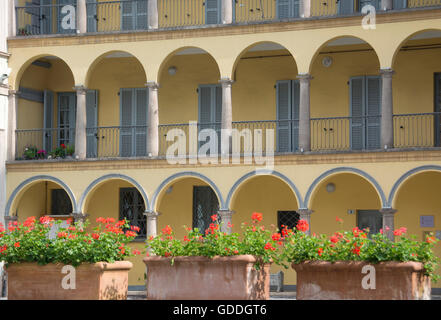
{"x":202,"y":278}
{"x":98,"y":281}
{"x":341,"y":280}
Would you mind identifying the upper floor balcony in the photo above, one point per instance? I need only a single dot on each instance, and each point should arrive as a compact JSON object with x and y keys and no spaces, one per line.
{"x":44,"y":17}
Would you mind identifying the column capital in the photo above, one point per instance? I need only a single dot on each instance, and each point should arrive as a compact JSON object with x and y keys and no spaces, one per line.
{"x":304,"y":77}
{"x":388,"y":211}
{"x":305,"y":211}
{"x":226,"y":81}
{"x":13,"y":92}
{"x":78,"y":216}
{"x":225,"y":212}
{"x":80,"y":89}
{"x":387,"y":72}
{"x":152,"y":85}
{"x":152,"y":214}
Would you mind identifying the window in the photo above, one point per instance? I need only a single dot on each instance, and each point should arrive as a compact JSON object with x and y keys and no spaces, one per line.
{"x":66,"y":118}
{"x":60,"y":202}
{"x":287,"y":104}
{"x":365,"y":110}
{"x":132,"y":208}
{"x":287,"y":218}
{"x":134,"y":15}
{"x":205,"y":204}
{"x":371,"y":219}
{"x":210,"y":110}
{"x":288,"y":9}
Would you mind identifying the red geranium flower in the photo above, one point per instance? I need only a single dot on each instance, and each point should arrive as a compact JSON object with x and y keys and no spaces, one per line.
{"x":302,"y":225}
{"x":256,"y":216}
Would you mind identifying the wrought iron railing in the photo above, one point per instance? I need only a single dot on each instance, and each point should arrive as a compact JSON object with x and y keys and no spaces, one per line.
{"x":41,"y":142}
{"x":417,"y":129}
{"x":116,"y":15}
{"x":33,"y":19}
{"x":330,"y":133}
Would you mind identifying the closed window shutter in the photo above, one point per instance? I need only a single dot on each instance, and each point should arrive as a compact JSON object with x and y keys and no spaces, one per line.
{"x":283,"y":7}
{"x":374,"y":3}
{"x":141,"y":121}
{"x":127,"y":15}
{"x":295,"y":8}
{"x":437,"y":119}
{"x":345,"y":6}
{"x":218,"y":113}
{"x":141,"y":15}
{"x":400,"y":4}
{"x":373,"y":112}
{"x":205,"y":112}
{"x":126,"y":134}
{"x":33,"y":9}
{"x":295,"y":114}
{"x":212,"y":11}
{"x":46,"y":17}
{"x":92,"y":22}
{"x":92,"y":123}
{"x":61,"y":15}
{"x":48,"y":120}
{"x":283,"y":105}
{"x":357,"y":111}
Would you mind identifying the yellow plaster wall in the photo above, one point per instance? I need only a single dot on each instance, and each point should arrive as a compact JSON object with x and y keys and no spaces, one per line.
{"x":419,"y":196}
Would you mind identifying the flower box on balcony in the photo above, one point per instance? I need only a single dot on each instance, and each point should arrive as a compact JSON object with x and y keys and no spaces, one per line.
{"x":203,"y":278}
{"x":343,"y":280}
{"x":97,"y":281}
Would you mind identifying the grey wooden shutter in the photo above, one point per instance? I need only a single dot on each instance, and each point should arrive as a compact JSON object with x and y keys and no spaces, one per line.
{"x":46,"y":17}
{"x":205,"y":110}
{"x":437,"y":117}
{"x":283,"y":7}
{"x":212,"y":11}
{"x":127,"y":15}
{"x":283,"y":105}
{"x":33,"y":8}
{"x":399,"y":4}
{"x":126,"y":114}
{"x":345,"y":6}
{"x":72,"y":117}
{"x":141,"y":95}
{"x":373,"y":112}
{"x":92,"y":123}
{"x":48,"y":120}
{"x":62,"y":3}
{"x":91,"y":9}
{"x":374,"y":3}
{"x":295,"y":100}
{"x":357,"y":112}
{"x":141,"y":15}
{"x":218,"y":113}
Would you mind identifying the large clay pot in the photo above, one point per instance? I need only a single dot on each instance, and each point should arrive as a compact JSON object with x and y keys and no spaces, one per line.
{"x":98,"y":281}
{"x":202,"y":278}
{"x":341,"y":280}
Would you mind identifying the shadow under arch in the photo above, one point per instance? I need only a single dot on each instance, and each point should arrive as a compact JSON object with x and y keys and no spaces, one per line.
{"x":361,"y":173}
{"x":189,"y":48}
{"x":29,"y":62}
{"x":264,"y":172}
{"x":409,"y":37}
{"x":97,"y":60}
{"x":254,"y":44}
{"x":330,"y":40}
{"x":35,"y":179}
{"x":101,"y":180}
{"x":406,"y":176}
{"x":186,"y":174}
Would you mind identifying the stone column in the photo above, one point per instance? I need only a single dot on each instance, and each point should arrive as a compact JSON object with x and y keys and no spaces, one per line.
{"x":227,"y":11}
{"x":227,"y":116}
{"x":304,"y":113}
{"x":305,"y":8}
{"x":386,"y":5}
{"x":12,"y":124}
{"x":12,"y":15}
{"x":80,"y":126}
{"x":79,"y":217}
{"x":387,"y":124}
{"x":152,"y":223}
{"x":153,"y":120}
{"x":388,"y":222}
{"x":81,"y":16}
{"x":152,"y":11}
{"x":305,"y":214}
{"x":226,"y":220}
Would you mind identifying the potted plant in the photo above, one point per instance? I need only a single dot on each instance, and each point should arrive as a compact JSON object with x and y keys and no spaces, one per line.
{"x":59,"y":152}
{"x":73,"y":264}
{"x":70,"y":150}
{"x":356,"y":265}
{"x":32,"y":153}
{"x":211,"y":266}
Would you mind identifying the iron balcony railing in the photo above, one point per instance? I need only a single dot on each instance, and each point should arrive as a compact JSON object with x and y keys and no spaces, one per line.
{"x":38,"y":19}
{"x":128,"y":15}
{"x":416,"y":130}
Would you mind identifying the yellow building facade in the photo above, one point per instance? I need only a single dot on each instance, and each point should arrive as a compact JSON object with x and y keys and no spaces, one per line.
{"x":354,"y":105}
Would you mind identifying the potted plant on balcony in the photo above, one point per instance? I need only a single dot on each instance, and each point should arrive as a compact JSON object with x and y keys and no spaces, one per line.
{"x":352,"y":265}
{"x":70,"y":150}
{"x":214,"y":266}
{"x":72,"y":265}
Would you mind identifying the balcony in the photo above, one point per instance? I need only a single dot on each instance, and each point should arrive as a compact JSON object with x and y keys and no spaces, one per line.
{"x":133,"y":15}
